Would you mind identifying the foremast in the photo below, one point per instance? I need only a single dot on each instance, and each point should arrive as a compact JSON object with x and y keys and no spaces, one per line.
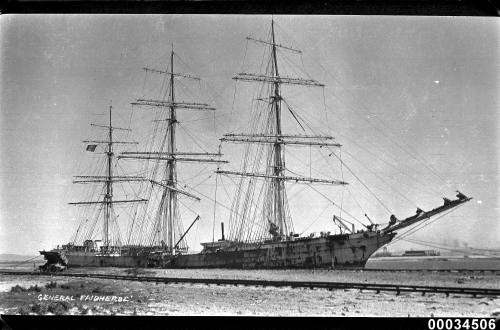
{"x":275,"y":215}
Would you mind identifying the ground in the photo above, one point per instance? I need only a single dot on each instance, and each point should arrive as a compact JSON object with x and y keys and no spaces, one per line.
{"x":22,"y":294}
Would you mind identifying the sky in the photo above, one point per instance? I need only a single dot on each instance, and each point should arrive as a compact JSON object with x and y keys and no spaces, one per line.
{"x":413,"y":101}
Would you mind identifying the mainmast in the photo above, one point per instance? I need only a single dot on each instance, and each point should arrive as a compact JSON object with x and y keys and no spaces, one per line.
{"x":171,"y":163}
{"x":279,"y":161}
{"x":169,"y":218}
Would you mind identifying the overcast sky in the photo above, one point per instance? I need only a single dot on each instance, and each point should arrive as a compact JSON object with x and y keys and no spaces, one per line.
{"x":413,"y":100}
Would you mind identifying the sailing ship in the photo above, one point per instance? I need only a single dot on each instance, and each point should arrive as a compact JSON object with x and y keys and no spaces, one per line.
{"x":261,"y":232}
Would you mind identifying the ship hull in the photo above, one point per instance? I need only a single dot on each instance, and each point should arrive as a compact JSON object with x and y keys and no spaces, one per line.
{"x":334,"y":251}
{"x":89,"y":259}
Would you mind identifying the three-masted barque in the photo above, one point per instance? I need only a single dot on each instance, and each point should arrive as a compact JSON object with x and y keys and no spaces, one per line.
{"x":261,"y":233}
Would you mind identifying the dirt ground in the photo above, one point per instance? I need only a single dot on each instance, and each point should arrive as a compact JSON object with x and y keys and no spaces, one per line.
{"x":56,"y":295}
{"x":466,"y":279}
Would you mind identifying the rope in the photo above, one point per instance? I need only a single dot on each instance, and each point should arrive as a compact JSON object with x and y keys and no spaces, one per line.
{"x":192,"y":138}
{"x":334,"y":204}
{"x":411,"y":154}
{"x":17,"y":263}
{"x":364,"y":185}
{"x":397,"y":191}
{"x":314,"y":221}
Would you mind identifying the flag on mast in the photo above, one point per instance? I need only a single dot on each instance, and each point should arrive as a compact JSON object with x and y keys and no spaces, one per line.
{"x":91,"y":147}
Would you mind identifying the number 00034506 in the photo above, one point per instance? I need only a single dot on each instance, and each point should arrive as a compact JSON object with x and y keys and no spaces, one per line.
{"x":462,"y":323}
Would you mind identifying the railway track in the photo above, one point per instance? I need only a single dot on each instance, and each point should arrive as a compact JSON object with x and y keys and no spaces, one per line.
{"x":412,"y":270}
{"x":377,"y":287}
{"x":432,"y":270}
